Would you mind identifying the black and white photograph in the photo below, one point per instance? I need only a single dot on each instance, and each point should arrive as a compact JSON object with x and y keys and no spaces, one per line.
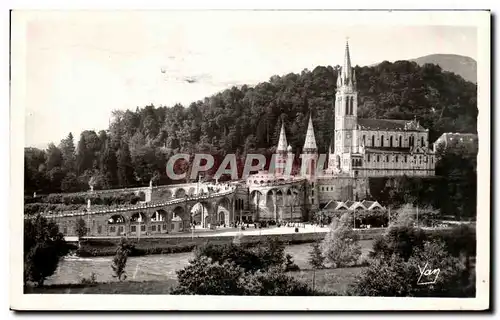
{"x":205,"y":160}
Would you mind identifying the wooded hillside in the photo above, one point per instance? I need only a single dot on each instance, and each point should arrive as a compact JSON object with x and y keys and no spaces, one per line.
{"x":136,"y":146}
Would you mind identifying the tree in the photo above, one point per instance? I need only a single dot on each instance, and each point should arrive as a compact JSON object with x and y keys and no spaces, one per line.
{"x":120,"y":259}
{"x":340,"y":247}
{"x":81,"y":228}
{"x":395,"y":277}
{"x":316,"y":258}
{"x":204,"y":277}
{"x":44,"y":245}
{"x":70,"y":183}
{"x":54,"y":157}
{"x":400,"y":240}
{"x":405,"y":216}
{"x":108,"y":165}
{"x":125,"y":171}
{"x":87,"y":153}
{"x":67,"y":147}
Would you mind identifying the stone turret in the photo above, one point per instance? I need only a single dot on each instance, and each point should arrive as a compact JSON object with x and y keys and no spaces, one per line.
{"x":282,"y":144}
{"x":309,"y":153}
{"x":310,"y":143}
{"x":281,"y":152}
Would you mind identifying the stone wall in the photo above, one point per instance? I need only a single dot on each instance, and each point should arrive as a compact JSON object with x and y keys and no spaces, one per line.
{"x":342,"y":189}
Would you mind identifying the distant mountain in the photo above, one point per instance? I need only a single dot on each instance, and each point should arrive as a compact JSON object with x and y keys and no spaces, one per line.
{"x":465,"y":67}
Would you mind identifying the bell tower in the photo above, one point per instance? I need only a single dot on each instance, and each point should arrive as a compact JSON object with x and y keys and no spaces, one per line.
{"x":346,"y":113}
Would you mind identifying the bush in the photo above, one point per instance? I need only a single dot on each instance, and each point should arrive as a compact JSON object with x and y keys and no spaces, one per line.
{"x":399,"y":240}
{"x":290,"y":264}
{"x":44,"y":245}
{"x":54,"y":198}
{"x":204,"y":277}
{"x":393,"y":276}
{"x":262,"y":257}
{"x":459,"y":240}
{"x":276,"y":283}
{"x":316,"y":258}
{"x":120,"y":259}
{"x":341,"y":244}
{"x":81,"y":228}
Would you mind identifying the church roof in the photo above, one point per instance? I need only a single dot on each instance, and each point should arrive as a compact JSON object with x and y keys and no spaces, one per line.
{"x":282,"y":144}
{"x":310,"y":143}
{"x":389,"y":125}
{"x":386,"y":150}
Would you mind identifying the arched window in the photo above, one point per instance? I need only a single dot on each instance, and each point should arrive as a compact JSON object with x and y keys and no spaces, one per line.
{"x":390,"y":142}
{"x":422,"y":141}
{"x":373,"y":141}
{"x":400,"y":141}
{"x":378,"y":158}
{"x":397,"y":158}
{"x":352,"y":105}
{"x":412,"y":141}
{"x":368,"y":157}
{"x":387,"y":158}
{"x":382,"y":141}
{"x":347,"y":106}
{"x":406,"y":158}
{"x":364,"y":138}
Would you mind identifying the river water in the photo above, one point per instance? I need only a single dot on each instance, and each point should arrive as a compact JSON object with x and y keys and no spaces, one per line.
{"x":152,"y":267}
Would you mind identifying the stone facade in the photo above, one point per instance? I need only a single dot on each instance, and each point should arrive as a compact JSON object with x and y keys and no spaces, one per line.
{"x":360,"y":148}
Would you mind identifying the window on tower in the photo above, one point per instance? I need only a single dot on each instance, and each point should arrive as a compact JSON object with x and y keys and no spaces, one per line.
{"x":400,"y":141}
{"x":373,"y":141}
{"x":390,"y":142}
{"x":422,"y":141}
{"x":382,"y":141}
{"x":364,"y":138}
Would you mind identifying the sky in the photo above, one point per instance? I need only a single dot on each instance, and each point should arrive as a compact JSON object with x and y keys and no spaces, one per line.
{"x":82,"y":65}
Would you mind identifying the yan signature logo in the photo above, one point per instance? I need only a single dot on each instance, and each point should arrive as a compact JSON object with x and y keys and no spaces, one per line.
{"x":427,"y":275}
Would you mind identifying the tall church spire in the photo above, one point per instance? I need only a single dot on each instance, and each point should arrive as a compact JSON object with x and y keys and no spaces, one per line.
{"x":347,"y":69}
{"x":310,"y":143}
{"x":282,"y":144}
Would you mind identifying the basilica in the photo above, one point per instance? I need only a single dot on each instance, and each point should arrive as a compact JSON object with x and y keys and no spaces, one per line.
{"x":368,"y":147}
{"x":360,"y":149}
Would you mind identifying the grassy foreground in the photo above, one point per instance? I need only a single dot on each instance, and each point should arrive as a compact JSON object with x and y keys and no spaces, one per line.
{"x":326,"y":280}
